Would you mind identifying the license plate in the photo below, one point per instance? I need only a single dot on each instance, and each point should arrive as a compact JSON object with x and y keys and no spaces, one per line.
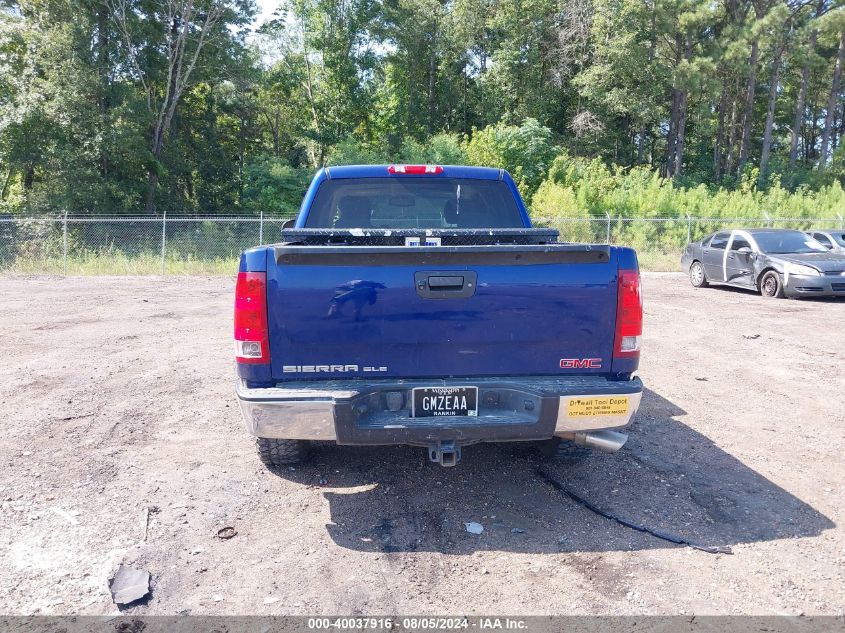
{"x":597,"y":406}
{"x":431,"y":402}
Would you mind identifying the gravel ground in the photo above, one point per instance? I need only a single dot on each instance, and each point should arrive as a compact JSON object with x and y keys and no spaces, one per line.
{"x":117,"y":401}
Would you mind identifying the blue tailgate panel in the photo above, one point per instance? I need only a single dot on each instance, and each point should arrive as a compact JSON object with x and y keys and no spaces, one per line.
{"x":522,"y":320}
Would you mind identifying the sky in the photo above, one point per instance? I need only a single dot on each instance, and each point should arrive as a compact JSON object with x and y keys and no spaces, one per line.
{"x":265,"y":10}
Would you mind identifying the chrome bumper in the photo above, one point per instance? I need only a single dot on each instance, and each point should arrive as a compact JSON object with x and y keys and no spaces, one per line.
{"x":558,"y":407}
{"x":294,"y":414}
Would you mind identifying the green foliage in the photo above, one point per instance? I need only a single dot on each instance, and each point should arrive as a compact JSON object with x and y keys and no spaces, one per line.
{"x":446,"y":149}
{"x":272,"y":186}
{"x":556,"y":205}
{"x":665,"y":213}
{"x":589,"y":186}
{"x":600,"y":96}
{"x":525,"y":151}
{"x":440,"y":149}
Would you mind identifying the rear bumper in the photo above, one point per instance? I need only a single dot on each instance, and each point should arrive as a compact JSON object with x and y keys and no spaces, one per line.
{"x":510,"y":409}
{"x":816,"y":286}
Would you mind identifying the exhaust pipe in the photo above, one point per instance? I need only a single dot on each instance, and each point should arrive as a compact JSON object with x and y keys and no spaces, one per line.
{"x":605,"y":441}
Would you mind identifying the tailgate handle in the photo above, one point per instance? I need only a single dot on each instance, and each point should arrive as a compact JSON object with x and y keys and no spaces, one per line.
{"x":443,"y":284}
{"x":446,"y":283}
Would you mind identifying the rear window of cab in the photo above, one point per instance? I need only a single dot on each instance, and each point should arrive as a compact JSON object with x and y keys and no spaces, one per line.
{"x":413,"y":203}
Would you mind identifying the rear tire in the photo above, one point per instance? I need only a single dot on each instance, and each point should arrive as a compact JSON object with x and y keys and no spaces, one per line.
{"x":696,"y":275}
{"x":771,"y":286}
{"x":276,"y":453}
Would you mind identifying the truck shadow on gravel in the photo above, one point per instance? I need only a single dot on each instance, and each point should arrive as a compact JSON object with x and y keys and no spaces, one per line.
{"x":668,"y":477}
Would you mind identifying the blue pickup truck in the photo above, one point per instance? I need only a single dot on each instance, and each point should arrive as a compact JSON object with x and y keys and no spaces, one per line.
{"x":415,"y":304}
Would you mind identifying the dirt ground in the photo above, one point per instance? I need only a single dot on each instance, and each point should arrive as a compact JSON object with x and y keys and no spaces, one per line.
{"x":117,"y":398}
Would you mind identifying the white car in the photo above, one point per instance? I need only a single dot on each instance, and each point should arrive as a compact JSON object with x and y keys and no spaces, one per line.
{"x":832,"y":240}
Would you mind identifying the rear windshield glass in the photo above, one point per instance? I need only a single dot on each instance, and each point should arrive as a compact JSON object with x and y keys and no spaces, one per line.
{"x":413,"y":203}
{"x":788,"y":242}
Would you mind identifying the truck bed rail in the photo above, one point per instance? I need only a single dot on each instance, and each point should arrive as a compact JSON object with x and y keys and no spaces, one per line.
{"x":397,"y":237}
{"x":499,"y":255}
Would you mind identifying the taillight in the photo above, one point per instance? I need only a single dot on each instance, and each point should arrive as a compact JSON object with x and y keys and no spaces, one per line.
{"x":629,"y":315}
{"x":252,"y":343}
{"x":415,"y":169}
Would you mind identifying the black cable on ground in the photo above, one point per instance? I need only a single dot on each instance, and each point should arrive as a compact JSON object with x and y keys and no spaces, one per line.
{"x":554,"y":483}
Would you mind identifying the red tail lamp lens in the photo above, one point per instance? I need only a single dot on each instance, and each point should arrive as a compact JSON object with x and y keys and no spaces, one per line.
{"x":629,"y":315}
{"x":252,"y":343}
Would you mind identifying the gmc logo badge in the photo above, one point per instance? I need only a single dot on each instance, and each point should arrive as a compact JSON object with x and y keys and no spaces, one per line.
{"x":580,"y":363}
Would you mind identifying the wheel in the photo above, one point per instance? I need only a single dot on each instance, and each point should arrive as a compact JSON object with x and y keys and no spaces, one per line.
{"x":275,"y":453}
{"x":696,"y":275}
{"x":771,"y":285}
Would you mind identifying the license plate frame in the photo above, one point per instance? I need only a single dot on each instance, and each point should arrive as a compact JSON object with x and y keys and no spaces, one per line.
{"x":463,"y":393}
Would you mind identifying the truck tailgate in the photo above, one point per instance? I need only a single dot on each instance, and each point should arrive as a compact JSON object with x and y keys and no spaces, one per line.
{"x":338,"y":312}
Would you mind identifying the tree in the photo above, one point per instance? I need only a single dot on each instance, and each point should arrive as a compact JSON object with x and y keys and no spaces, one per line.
{"x":782,"y":27}
{"x":164,"y":40}
{"x":526,"y":152}
{"x":832,"y":101}
{"x":821,"y":8}
{"x":760,"y":8}
{"x":625,"y":82}
{"x":116,"y":106}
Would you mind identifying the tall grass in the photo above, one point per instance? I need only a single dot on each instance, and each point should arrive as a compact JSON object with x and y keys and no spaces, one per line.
{"x":665,"y":215}
{"x":119,"y":263}
{"x":595,"y":190}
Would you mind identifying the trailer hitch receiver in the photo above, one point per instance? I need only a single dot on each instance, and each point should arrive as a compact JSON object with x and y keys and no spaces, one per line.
{"x":445,"y":453}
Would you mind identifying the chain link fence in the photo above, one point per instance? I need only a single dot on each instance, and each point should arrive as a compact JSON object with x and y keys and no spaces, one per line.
{"x":131,"y":245}
{"x":211,"y":245}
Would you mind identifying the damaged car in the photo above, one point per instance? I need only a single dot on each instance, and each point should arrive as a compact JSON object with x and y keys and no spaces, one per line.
{"x":774,"y":262}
